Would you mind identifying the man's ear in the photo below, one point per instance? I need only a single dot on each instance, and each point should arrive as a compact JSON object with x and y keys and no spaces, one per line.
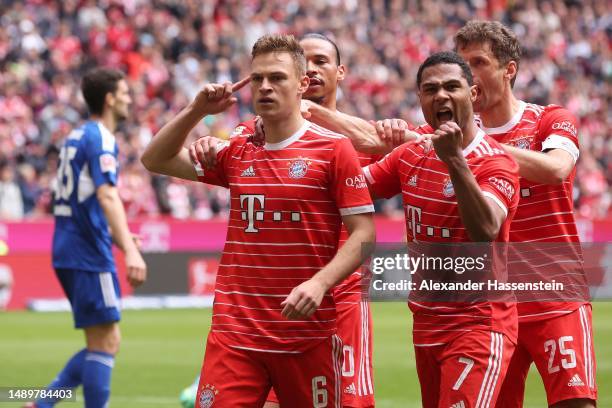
{"x":109,"y":99}
{"x":474,"y":92}
{"x":511,"y":70}
{"x":304,"y":82}
{"x":341,"y":72}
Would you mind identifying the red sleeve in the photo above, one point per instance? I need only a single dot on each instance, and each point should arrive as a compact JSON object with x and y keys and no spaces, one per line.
{"x":558,"y":129}
{"x":218,"y":175}
{"x":366,"y":159}
{"x":383,"y":176}
{"x":247,"y":127}
{"x":348,"y":184}
{"x":422,"y":129}
{"x":498,"y":180}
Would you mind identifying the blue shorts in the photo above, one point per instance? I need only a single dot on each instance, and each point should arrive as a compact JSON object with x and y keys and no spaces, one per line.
{"x":94,"y":296}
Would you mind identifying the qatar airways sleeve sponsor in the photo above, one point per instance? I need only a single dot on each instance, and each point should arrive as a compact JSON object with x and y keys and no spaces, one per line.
{"x":357,"y":182}
{"x":503,"y":186}
{"x":349,"y":186}
{"x":558,"y":130}
{"x":498,"y":181}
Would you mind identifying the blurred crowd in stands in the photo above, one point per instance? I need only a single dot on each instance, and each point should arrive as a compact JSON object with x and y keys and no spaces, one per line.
{"x":169,"y":48}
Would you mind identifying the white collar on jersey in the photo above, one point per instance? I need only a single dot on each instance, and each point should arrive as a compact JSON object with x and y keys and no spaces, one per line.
{"x":103,"y":128}
{"x":294,"y":137}
{"x":474,"y":143}
{"x":508,"y":125}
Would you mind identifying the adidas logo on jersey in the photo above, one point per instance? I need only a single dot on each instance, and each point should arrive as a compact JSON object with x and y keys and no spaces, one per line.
{"x":249,"y":172}
{"x":413,"y":181}
{"x":459,"y":404}
{"x":575,"y":381}
{"x":350,"y":389}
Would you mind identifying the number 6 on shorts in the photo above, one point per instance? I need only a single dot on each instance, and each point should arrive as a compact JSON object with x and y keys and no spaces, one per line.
{"x":319,"y":395}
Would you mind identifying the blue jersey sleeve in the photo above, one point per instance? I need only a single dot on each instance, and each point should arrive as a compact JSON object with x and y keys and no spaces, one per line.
{"x":102,"y":154}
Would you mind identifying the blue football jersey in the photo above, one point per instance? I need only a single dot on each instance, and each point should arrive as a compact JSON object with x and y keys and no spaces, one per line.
{"x":81,"y":239}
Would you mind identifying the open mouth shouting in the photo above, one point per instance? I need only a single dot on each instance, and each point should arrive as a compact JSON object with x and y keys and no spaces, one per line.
{"x":444,"y":114}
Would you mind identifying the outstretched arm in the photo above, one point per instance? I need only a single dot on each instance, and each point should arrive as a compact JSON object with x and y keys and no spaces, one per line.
{"x":551,"y":167}
{"x":166,"y":154}
{"x":362,"y":133}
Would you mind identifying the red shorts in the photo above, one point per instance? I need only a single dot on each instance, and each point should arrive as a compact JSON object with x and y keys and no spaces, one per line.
{"x":354,"y":328}
{"x":562,"y":349}
{"x":233,"y":377}
{"x":467,"y":372}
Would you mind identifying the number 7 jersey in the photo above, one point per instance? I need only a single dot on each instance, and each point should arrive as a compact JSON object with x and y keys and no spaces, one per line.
{"x":81,"y":239}
{"x":287,"y":200}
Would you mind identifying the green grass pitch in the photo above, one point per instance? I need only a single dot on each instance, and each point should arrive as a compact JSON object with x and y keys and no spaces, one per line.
{"x":162,"y":350}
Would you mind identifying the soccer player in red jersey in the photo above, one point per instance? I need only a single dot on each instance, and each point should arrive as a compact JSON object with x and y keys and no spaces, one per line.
{"x":464,"y":189}
{"x":274,"y":320}
{"x":544,"y":141}
{"x":325,"y":71}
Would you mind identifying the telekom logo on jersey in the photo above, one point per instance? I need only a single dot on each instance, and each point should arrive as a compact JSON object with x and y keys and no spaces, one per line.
{"x":251,"y":214}
{"x":413,"y":215}
{"x":254,"y":205}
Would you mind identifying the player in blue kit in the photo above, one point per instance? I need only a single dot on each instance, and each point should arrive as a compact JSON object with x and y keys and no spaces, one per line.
{"x":89,"y":216}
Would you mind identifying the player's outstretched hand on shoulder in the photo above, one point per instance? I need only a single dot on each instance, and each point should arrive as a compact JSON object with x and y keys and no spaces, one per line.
{"x":216,"y":98}
{"x":136,"y":268}
{"x":396,"y":132}
{"x":448,"y":141}
{"x":303,"y":300}
{"x":204,"y":151}
{"x":305,"y":107}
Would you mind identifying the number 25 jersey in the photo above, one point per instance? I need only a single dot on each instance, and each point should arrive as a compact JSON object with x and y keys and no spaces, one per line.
{"x":81,"y":239}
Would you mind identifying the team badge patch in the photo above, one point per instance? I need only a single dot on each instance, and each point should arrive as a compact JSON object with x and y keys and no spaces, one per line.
{"x":108,"y":163}
{"x":298,"y":168}
{"x":448,"y":190}
{"x":523,"y":144}
{"x":207,"y":396}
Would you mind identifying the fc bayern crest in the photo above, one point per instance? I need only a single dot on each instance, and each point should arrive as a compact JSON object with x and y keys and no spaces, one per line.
{"x":448,"y":189}
{"x":207,"y":396}
{"x":298,"y":168}
{"x":523,"y":144}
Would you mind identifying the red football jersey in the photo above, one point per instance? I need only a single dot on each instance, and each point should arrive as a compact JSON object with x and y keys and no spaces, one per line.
{"x":349,"y":290}
{"x":432,"y":215}
{"x":545,"y":212}
{"x":287,"y":200}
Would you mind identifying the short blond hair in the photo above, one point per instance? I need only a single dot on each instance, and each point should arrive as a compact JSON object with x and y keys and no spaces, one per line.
{"x":281,"y":43}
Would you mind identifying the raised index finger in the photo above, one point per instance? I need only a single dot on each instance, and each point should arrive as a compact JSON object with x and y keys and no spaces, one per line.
{"x":240,"y":84}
